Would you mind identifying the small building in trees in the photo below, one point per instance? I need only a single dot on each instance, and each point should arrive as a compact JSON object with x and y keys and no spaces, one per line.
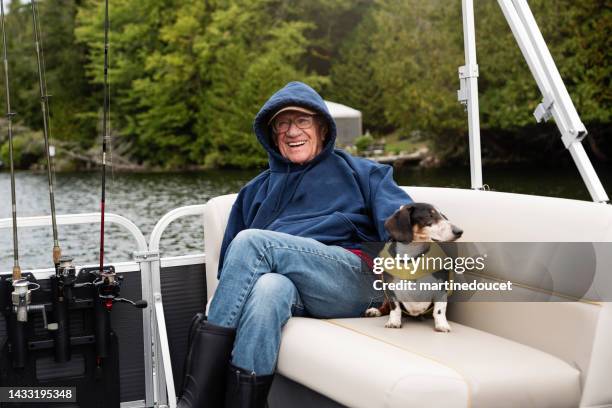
{"x":348,"y":122}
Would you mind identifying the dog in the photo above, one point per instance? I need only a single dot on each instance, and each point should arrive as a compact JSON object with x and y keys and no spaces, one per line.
{"x":413,"y":228}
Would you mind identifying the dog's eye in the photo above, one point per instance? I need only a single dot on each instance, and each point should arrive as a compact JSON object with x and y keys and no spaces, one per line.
{"x":428,"y":224}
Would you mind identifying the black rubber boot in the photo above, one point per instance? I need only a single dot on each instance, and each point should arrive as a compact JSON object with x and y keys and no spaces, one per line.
{"x":246,"y":390}
{"x":210,"y":348}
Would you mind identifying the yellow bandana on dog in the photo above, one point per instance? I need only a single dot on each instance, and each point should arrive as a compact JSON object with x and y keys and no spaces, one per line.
{"x":416,"y":268}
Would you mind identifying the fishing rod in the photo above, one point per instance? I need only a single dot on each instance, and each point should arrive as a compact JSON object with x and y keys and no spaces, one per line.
{"x":107,"y":287}
{"x":63,"y":281}
{"x":9,"y":118}
{"x":21,"y":294}
{"x":105,"y":135}
{"x":44,"y":106}
{"x":109,"y":284}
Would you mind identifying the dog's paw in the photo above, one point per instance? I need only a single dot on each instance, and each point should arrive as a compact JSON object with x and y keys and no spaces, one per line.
{"x":373,"y":312}
{"x":443,"y":327}
{"x":394,"y":323}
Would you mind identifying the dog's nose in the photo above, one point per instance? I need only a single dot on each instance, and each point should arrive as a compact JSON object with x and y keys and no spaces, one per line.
{"x":457,"y":231}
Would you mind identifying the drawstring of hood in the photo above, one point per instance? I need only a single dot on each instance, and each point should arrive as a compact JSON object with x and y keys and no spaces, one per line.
{"x":285,"y":178}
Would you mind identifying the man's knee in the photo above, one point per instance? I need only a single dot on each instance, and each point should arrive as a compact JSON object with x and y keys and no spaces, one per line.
{"x":250,"y":238}
{"x":272,"y":293}
{"x":252,"y":243}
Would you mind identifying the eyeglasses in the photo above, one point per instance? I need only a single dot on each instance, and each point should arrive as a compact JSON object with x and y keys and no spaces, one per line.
{"x":283,"y":125}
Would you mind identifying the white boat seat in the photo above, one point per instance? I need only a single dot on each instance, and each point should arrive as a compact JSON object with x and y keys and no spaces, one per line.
{"x":501,"y":354}
{"x":360,"y":363}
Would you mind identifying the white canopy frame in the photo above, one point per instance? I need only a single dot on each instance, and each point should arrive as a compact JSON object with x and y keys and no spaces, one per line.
{"x":556,"y":102}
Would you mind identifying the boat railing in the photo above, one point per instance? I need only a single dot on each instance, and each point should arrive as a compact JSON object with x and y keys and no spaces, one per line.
{"x":76,"y":219}
{"x":142,"y":262}
{"x":159,"y":382}
{"x":165,"y":379}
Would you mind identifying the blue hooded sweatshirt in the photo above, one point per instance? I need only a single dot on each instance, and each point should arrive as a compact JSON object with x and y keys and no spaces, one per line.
{"x":336,"y":199}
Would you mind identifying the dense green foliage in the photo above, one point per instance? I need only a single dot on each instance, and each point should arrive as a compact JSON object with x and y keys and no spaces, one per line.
{"x":70,"y":103}
{"x":188,"y":76}
{"x":405,"y":55}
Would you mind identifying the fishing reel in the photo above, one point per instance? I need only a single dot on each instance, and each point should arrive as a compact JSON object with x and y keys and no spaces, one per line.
{"x":16,"y":305}
{"x":109,"y":290}
{"x":66,"y":271}
{"x":107,"y":287}
{"x":21,"y":298}
{"x":66,"y":278}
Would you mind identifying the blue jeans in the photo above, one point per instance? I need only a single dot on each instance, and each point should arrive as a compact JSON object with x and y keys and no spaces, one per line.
{"x":269,"y":276}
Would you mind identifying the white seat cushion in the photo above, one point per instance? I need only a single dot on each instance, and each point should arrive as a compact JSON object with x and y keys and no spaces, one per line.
{"x":360,"y":363}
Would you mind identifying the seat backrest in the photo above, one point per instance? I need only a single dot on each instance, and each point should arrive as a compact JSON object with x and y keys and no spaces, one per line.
{"x":485,"y":216}
{"x":490,"y":216}
{"x":216,"y":215}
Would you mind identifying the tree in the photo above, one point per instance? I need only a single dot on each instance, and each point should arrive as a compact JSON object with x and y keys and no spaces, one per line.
{"x":248,"y":52}
{"x":188,"y":76}
{"x":351,"y":77}
{"x":65,"y":77}
{"x":401,"y":65}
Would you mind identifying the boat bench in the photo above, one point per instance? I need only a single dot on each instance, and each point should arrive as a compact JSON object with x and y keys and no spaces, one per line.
{"x":499,"y":354}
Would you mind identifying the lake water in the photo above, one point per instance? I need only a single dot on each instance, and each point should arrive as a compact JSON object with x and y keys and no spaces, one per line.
{"x":145,"y":198}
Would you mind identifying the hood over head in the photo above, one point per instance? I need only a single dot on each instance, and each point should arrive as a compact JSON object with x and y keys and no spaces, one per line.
{"x":292,"y":94}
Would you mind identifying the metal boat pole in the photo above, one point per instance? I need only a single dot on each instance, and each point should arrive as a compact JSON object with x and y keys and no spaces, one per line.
{"x":468,"y":92}
{"x":21,"y":295}
{"x":60,"y":301}
{"x":556,"y":102}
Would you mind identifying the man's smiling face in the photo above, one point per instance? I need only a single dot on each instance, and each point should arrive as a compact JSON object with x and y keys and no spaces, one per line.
{"x":298,"y":136}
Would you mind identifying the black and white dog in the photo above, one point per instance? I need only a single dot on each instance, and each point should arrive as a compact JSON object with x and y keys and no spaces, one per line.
{"x":412,"y":229}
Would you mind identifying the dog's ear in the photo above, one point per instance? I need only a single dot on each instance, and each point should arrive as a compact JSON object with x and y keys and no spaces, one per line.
{"x":399,"y":225}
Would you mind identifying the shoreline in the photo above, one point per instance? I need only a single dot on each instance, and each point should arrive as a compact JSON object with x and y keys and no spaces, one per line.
{"x":407,"y":164}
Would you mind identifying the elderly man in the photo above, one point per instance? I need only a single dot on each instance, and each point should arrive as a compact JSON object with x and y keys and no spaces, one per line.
{"x":292,"y":247}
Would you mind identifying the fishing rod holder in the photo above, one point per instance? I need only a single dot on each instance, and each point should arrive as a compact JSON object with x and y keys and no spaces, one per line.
{"x":62,"y":286}
{"x":105,"y":287}
{"x":60,"y":333}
